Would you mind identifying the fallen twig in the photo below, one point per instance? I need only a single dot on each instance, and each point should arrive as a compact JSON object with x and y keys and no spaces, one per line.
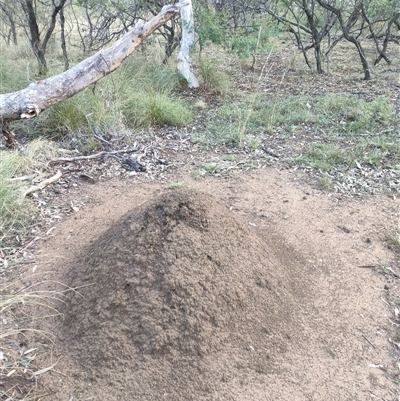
{"x":42,"y":371}
{"x":41,"y":185}
{"x":22,"y":178}
{"x":91,"y":157}
{"x":369,"y":342}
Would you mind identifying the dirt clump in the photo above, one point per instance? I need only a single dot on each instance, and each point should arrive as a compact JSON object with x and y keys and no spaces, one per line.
{"x":177,"y":300}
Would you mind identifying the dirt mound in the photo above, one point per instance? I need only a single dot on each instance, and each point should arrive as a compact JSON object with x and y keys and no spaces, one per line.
{"x":175,"y":301}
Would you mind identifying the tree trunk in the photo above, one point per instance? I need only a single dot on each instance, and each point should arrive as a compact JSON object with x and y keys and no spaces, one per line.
{"x":34,"y":36}
{"x":63,"y":41}
{"x":38,"y":45}
{"x":38,"y":96}
{"x":184,"y":65}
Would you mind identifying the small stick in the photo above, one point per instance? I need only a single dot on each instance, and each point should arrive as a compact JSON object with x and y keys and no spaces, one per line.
{"x":42,"y":371}
{"x":22,"y":178}
{"x":369,"y":342}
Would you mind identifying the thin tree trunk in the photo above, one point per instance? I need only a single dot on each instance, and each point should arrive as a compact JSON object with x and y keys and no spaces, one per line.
{"x":13,"y":30}
{"x":34,"y":36}
{"x":38,"y":45}
{"x":63,"y":41}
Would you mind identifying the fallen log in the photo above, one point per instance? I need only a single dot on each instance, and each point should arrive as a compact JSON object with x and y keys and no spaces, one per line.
{"x":40,"y":95}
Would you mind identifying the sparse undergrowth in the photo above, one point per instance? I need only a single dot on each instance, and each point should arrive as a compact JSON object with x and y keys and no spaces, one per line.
{"x":17,"y":214}
{"x":392,"y":239}
{"x":337,"y":116}
{"x":24,"y":313}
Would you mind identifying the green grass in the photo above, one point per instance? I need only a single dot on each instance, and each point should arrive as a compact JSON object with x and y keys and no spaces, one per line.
{"x":197,"y":174}
{"x":14,"y":71}
{"x":326,"y":182}
{"x":212,"y":168}
{"x":377,"y":151}
{"x":213,"y":77}
{"x":334,"y":113}
{"x":344,"y":121}
{"x":232,"y":124}
{"x":324,"y":157}
{"x":392,"y":239}
{"x":154,"y":108}
{"x":176,"y":185}
{"x":150,"y":99}
{"x":338,"y":112}
{"x":138,"y":94}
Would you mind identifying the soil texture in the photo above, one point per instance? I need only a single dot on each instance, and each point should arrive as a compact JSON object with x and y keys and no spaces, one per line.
{"x":254,"y":288}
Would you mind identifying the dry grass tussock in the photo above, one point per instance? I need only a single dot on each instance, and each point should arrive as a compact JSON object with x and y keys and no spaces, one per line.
{"x":16,"y":169}
{"x":22,"y":312}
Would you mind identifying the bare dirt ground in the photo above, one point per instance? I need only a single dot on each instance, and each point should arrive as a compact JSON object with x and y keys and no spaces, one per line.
{"x":330,"y":327}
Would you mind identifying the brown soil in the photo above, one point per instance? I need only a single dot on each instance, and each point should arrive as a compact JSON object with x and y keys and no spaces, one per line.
{"x":180,"y":291}
{"x":251,"y":288}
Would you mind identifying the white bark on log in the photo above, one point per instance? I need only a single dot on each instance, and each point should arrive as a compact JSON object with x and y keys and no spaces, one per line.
{"x":184,"y":64}
{"x":38,"y":96}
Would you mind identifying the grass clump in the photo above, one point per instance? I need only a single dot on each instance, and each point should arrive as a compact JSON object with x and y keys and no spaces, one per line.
{"x":141,"y":73}
{"x":156,"y":108}
{"x":95,"y":109}
{"x":213,"y":77}
{"x":233,"y":124}
{"x":324,"y":157}
{"x":392,"y":239}
{"x":139,"y":93}
{"x":15,"y":214}
{"x":150,"y":98}
{"x":339,"y":113}
{"x":176,"y":185}
{"x":212,"y":168}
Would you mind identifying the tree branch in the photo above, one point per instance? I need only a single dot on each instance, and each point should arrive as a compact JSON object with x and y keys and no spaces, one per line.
{"x":38,"y":96}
